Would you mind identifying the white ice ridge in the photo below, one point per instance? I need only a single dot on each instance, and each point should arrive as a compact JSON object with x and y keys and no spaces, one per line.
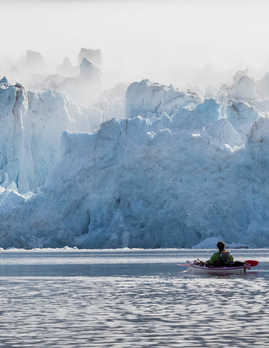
{"x":177,"y":169}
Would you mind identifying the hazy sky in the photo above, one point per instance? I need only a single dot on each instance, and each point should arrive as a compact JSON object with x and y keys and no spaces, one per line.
{"x":141,"y":38}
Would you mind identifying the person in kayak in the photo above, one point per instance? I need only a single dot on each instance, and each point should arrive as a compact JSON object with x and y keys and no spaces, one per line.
{"x":221,"y":258}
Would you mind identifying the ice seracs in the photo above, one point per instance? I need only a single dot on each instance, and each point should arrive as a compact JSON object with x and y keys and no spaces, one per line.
{"x":13,"y":103}
{"x":80,"y":81}
{"x":92,"y":55}
{"x":66,"y":68}
{"x":173,"y":169}
{"x":31,"y":128}
{"x":146,"y":98}
{"x":82,"y":84}
{"x":244,"y":87}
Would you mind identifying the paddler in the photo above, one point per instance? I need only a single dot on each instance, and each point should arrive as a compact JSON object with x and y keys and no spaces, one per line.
{"x":222,"y":257}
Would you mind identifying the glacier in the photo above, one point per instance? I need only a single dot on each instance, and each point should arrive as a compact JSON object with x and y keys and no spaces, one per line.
{"x":147,"y":166}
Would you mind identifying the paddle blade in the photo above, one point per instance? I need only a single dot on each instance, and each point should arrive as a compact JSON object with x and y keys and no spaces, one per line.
{"x":252,"y":263}
{"x":184,"y":264}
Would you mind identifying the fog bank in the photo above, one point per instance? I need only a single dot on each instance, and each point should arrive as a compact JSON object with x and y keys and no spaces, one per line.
{"x":180,"y":42}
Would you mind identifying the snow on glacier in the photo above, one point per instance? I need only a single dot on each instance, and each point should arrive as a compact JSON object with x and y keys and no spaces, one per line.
{"x":175,"y":170}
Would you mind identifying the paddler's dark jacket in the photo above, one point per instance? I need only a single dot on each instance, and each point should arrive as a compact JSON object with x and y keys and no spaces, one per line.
{"x":219,"y":258}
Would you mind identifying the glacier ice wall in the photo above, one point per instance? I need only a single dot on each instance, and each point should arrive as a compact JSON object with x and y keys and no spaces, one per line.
{"x":31,"y":128}
{"x":177,"y":169}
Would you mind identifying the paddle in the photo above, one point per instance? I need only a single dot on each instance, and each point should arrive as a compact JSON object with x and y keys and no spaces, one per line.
{"x":252,"y":263}
{"x":184,"y":264}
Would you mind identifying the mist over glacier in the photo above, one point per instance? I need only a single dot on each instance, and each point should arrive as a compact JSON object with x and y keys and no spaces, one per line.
{"x":95,"y":154}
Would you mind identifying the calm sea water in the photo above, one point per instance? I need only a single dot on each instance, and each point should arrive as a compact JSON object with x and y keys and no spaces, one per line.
{"x":129,"y":298}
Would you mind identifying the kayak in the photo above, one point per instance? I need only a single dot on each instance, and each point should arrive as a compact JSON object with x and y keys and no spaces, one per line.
{"x":198,"y":266}
{"x":203,"y":269}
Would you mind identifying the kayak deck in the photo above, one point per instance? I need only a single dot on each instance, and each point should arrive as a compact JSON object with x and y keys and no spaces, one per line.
{"x":217,"y":270}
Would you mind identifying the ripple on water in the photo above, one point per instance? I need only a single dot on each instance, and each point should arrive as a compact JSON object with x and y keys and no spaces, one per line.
{"x":134,"y":312}
{"x":129,"y":299}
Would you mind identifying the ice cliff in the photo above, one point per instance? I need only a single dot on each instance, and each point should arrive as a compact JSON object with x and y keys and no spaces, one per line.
{"x":31,"y":127}
{"x":176,"y":169}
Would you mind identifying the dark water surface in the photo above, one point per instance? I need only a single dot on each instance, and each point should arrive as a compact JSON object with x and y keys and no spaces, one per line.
{"x":129,"y":298}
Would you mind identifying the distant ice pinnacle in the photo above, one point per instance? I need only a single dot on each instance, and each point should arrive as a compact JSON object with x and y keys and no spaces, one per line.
{"x":92,"y":55}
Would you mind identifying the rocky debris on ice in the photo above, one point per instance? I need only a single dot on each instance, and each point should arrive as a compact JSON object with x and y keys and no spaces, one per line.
{"x":177,"y":170}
